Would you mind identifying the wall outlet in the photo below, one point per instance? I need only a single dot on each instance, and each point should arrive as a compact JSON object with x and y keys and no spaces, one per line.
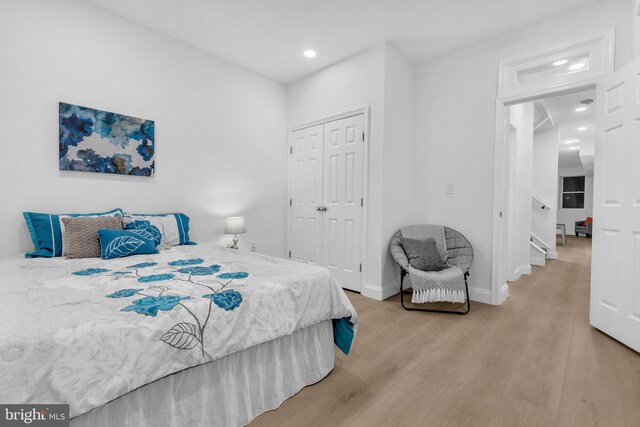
{"x":448,"y":188}
{"x":253,"y":246}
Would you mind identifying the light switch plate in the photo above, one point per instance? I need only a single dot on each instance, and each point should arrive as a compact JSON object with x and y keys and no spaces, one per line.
{"x":448,"y":189}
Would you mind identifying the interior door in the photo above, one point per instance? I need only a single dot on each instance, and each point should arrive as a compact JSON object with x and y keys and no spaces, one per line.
{"x":615,"y":274}
{"x":342,"y":199}
{"x":305,"y":225}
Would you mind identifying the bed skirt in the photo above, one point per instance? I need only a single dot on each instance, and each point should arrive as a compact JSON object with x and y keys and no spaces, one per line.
{"x":227,"y":392}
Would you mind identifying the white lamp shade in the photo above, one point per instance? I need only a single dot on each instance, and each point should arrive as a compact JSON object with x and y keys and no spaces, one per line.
{"x":235,"y":225}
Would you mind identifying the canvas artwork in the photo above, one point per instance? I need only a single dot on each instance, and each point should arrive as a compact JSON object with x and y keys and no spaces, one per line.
{"x":103,"y":142}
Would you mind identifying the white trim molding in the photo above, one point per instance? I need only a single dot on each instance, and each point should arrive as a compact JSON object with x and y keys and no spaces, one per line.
{"x":504,"y":293}
{"x":475,"y":294}
{"x":600,"y":44}
{"x":553,"y":66}
{"x":479,"y":295}
{"x":519,"y":271}
{"x":386,"y":291}
{"x":380,"y":292}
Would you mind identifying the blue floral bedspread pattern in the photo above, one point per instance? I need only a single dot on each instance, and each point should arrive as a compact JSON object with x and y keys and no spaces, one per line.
{"x":183,"y":335}
{"x":85,"y":332}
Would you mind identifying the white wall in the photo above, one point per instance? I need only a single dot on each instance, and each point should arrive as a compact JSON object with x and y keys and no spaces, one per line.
{"x":588,"y":155}
{"x":545,"y":187}
{"x":397,"y":207}
{"x":354,"y":83}
{"x":520,"y":189}
{"x":220,"y":130}
{"x":635,"y":16}
{"x":568,"y":217}
{"x":381,"y":79}
{"x":455,"y":98}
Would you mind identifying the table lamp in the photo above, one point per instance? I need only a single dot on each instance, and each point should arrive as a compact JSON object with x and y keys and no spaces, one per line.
{"x":234,"y":225}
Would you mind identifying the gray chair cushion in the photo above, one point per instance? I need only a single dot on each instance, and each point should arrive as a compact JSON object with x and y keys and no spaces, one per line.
{"x":423,"y":254}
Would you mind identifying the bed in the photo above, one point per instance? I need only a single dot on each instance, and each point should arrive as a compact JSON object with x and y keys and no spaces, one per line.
{"x":194,"y":335}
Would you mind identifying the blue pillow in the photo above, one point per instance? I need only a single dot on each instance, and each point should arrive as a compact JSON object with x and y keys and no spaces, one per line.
{"x":152,"y":230}
{"x":46,"y":231}
{"x":122,"y":243}
{"x":174,"y":227}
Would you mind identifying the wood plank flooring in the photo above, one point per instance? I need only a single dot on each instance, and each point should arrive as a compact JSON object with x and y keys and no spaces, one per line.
{"x":534,"y":361}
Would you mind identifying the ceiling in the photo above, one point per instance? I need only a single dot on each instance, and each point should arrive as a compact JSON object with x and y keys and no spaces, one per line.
{"x":562,"y":110}
{"x":269,"y":36}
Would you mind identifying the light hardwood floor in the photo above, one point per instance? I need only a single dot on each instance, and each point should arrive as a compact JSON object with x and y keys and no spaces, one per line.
{"x":534,"y":361}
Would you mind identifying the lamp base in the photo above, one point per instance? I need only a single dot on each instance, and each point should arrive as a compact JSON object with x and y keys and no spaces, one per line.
{"x":234,"y":245}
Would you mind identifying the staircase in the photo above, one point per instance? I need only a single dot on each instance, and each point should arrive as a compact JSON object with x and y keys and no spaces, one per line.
{"x":539,"y":251}
{"x":537,"y":255}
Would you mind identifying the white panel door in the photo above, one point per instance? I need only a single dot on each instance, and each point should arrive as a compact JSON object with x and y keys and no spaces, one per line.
{"x":305,"y":221}
{"x":342,"y":199}
{"x":615,"y":274}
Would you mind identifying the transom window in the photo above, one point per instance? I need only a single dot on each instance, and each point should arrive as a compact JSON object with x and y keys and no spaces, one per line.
{"x":582,"y":59}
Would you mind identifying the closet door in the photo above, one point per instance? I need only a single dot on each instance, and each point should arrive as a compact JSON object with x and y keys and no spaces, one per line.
{"x":305,"y":225}
{"x":342,"y":199}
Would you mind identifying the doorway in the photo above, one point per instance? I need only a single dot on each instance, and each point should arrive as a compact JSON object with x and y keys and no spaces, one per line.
{"x":550,"y":153}
{"x":615,"y":288}
{"x":566,"y":67}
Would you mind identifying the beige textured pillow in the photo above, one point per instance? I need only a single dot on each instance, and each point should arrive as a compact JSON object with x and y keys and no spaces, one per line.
{"x":81,"y":235}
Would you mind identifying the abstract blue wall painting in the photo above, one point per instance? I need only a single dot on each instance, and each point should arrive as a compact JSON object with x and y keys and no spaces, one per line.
{"x":103,"y":142}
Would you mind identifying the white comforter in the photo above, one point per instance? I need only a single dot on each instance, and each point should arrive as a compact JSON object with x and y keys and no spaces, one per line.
{"x":90,"y":337}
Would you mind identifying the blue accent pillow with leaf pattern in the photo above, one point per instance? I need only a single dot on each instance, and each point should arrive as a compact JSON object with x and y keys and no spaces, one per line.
{"x":123,"y":243}
{"x":141,"y":224}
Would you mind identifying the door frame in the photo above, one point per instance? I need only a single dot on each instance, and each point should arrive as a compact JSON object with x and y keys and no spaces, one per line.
{"x":599,"y":45}
{"x":502,"y":168}
{"x":365,"y":180}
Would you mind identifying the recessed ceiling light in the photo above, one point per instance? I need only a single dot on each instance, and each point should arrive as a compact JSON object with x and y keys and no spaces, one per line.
{"x":581,"y":128}
{"x":560,"y":62}
{"x":310,"y":53}
{"x":576,"y":66}
{"x":579,"y":109}
{"x":571,"y":141}
{"x":575,"y":147}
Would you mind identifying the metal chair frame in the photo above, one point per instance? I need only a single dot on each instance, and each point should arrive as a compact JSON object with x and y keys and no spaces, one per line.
{"x":404,"y":272}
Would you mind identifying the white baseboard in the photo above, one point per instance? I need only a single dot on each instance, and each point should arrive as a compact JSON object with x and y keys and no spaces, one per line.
{"x":380,"y":292}
{"x":383,"y":292}
{"x":504,"y":293}
{"x":552,"y":255}
{"x":475,"y":294}
{"x":519,"y":271}
{"x":480,"y":295}
{"x":537,"y":261}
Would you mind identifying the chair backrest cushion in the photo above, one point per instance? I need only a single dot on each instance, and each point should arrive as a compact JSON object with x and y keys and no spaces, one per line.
{"x":426,"y":231}
{"x":423,"y":254}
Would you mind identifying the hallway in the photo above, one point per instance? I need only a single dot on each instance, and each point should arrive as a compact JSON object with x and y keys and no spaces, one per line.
{"x":534,"y":361}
